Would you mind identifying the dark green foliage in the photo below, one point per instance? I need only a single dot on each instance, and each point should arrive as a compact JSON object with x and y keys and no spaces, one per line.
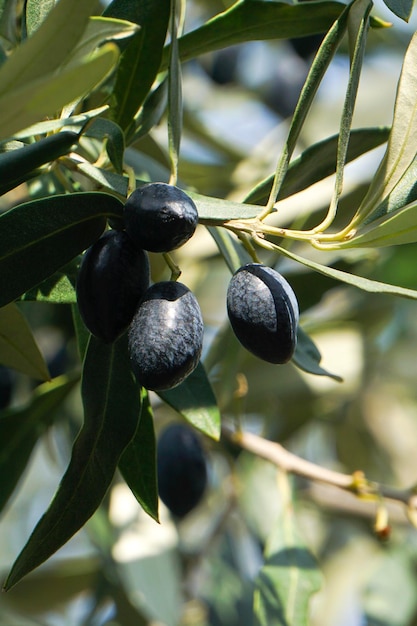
{"x":16,"y":166}
{"x":263,"y":312}
{"x":182,"y":470}
{"x":112,"y":279}
{"x":166,"y":336}
{"x":160,"y":217}
{"x":6,"y":386}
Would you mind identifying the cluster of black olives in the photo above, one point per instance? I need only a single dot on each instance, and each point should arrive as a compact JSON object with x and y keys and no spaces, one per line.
{"x":163,"y":320}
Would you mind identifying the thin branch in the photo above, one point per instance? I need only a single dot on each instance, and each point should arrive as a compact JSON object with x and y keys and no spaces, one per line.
{"x":355,"y":483}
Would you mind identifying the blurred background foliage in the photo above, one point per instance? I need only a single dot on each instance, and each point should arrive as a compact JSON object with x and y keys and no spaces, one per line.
{"x":123,"y":568}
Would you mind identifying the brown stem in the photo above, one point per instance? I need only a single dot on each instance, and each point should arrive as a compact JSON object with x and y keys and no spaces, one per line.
{"x":355,"y":483}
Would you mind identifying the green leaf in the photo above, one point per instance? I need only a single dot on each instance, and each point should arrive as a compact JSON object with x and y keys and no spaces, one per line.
{"x":366,"y":284}
{"x":217,"y":210}
{"x":319,"y":161}
{"x":36,"y":12}
{"x":16,"y":166}
{"x":289,"y":577}
{"x":18,"y":348}
{"x":141,"y":59}
{"x":138,"y":462}
{"x":39,"y":237}
{"x":98,"y":31}
{"x":307,"y":357}
{"x":111,"y":400}
{"x":20,"y":429}
{"x":59,"y":288}
{"x":39,"y":98}
{"x":230,"y":248}
{"x":151,"y":111}
{"x":113,"y":136}
{"x":174,"y":95}
{"x":249,"y":20}
{"x":48,"y":47}
{"x":400,"y":8}
{"x":194,"y":399}
{"x":104,"y":178}
{"x":402,"y":141}
{"x":315,"y":75}
{"x":398,"y":227}
{"x":53,"y":125}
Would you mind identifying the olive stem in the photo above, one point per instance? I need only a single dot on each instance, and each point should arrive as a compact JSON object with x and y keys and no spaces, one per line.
{"x":355,"y":483}
{"x":175,"y":270}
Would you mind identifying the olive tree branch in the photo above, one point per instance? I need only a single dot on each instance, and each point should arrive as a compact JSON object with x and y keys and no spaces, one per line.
{"x":355,"y":483}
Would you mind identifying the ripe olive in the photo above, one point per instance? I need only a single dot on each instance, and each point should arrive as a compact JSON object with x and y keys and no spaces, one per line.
{"x":182,"y":470}
{"x":160,"y":217}
{"x":263,"y":312}
{"x":112,"y":278}
{"x":165,"y":336}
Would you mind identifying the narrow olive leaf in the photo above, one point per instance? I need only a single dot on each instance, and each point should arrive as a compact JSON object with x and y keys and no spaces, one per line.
{"x":114,"y":139}
{"x":17,"y":165}
{"x":151,"y":111}
{"x":98,"y":31}
{"x":256,"y":20}
{"x":398,"y":227}
{"x":20,"y":429}
{"x":104,"y":179}
{"x":358,"y":26}
{"x":39,"y":98}
{"x":18,"y":347}
{"x":138,"y":462}
{"x":111,"y":400}
{"x":217,"y":210}
{"x":318,"y":68}
{"x":140,"y":61}
{"x":41,"y":236}
{"x":290,"y":575}
{"x":307,"y":357}
{"x":36,"y":12}
{"x":53,"y":125}
{"x":319,"y":161}
{"x":230,"y":248}
{"x":402,"y":141}
{"x":49,"y":46}
{"x":366,"y":284}
{"x":194,"y":399}
{"x":174,"y":96}
{"x":400,"y":8}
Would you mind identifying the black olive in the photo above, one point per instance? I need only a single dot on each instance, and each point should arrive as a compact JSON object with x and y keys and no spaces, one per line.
{"x":160,"y":217}
{"x":263,"y":312}
{"x":113,"y":276}
{"x":165,"y":336}
{"x":182,"y":470}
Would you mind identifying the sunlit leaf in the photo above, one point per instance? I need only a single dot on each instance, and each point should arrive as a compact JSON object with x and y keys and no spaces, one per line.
{"x":41,"y":236}
{"x":48,"y":47}
{"x":366,"y":284}
{"x":18,"y":348}
{"x":138,"y":462}
{"x":194,"y":399}
{"x":98,"y":31}
{"x":112,"y":134}
{"x":36,"y":12}
{"x":401,"y":148}
{"x":20,"y":429}
{"x":36,"y":99}
{"x":111,"y":400}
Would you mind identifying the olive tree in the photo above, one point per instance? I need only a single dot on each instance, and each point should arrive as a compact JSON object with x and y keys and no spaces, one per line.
{"x":275,"y":463}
